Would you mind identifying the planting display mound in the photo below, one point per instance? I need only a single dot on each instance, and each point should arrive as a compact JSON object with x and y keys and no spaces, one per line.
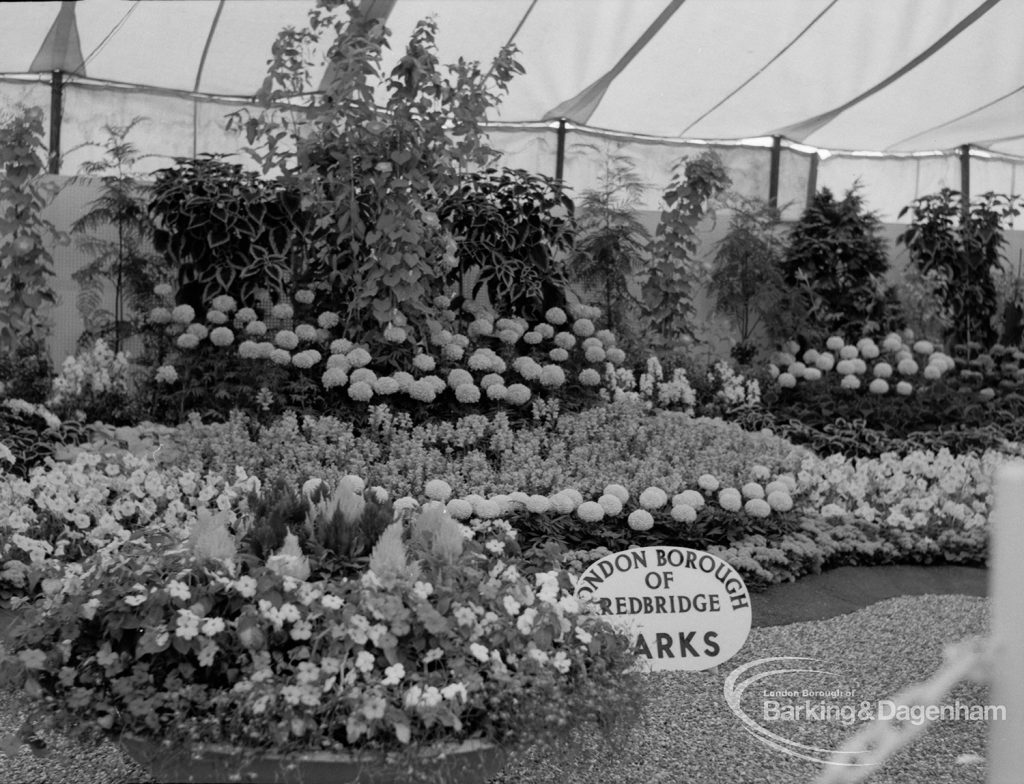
{"x":465,"y":763}
{"x":687,"y":732}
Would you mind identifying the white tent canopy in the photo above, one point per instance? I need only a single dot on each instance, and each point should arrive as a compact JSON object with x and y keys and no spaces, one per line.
{"x":911,"y":82}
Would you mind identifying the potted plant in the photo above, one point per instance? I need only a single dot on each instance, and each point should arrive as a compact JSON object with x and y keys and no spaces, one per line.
{"x":363,"y":645}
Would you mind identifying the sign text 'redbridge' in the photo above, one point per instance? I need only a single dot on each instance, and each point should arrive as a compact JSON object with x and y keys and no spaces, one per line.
{"x":687,"y":609}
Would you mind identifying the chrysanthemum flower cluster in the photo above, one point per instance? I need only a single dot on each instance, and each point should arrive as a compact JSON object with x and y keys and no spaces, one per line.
{"x":486,"y":364}
{"x":891,"y":367}
{"x":759,"y":497}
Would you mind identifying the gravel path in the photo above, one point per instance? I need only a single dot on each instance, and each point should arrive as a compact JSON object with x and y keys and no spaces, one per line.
{"x":687,"y":732}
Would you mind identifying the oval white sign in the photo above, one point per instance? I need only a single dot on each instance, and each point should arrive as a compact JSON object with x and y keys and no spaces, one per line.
{"x":686,"y":609}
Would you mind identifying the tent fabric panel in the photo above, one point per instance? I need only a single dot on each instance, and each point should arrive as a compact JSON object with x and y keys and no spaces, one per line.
{"x":979,"y":66}
{"x":706,"y":49}
{"x":987,"y":126}
{"x":654,"y":160}
{"x":232,"y":70}
{"x":581,"y":107}
{"x":534,"y":150}
{"x":802,"y":130}
{"x":710,"y":51}
{"x":15,"y":93}
{"x":477,"y":31}
{"x":702,"y":53}
{"x":888,"y":184}
{"x":794,"y":173}
{"x":937,"y":172}
{"x":990,"y":175}
{"x":23,"y":28}
{"x":71,"y":201}
{"x":61,"y":50}
{"x":165,"y":132}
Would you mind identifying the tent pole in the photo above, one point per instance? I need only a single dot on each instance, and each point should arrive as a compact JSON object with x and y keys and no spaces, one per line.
{"x":965,"y":183}
{"x":56,"y":117}
{"x":812,"y":178}
{"x":773,"y":171}
{"x":560,"y":152}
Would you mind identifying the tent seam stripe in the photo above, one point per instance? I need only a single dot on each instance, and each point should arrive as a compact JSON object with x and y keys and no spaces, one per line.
{"x":963,"y":116}
{"x":763,"y":68}
{"x":113,"y":31}
{"x":602,"y":84}
{"x":818,"y":122}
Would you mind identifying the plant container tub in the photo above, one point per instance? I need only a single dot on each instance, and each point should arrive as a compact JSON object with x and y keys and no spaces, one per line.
{"x":471,"y":762}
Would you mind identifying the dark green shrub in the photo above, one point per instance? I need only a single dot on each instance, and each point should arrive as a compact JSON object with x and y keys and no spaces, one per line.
{"x":837,"y":260}
{"x":966,"y":252}
{"x":514,"y":231}
{"x":226,"y":231}
{"x":26,"y":373}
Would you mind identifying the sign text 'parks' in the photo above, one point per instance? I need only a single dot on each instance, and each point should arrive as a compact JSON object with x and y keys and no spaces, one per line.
{"x":687,"y":609}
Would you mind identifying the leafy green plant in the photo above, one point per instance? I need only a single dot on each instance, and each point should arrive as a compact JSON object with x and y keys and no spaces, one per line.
{"x":837,"y":259}
{"x":225,"y":231}
{"x":513,"y":232}
{"x":25,"y":263}
{"x":371,"y":173}
{"x":611,"y":244}
{"x":1010,"y":288}
{"x":966,"y":252}
{"x":32,"y":433}
{"x":746,"y":278}
{"x":673,"y":273}
{"x":27,"y":372}
{"x":128,"y":260}
{"x":920,"y":302}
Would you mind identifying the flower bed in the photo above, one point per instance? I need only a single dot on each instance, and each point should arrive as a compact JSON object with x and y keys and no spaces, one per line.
{"x":697,"y":483}
{"x":865,"y":399}
{"x":427,"y":632}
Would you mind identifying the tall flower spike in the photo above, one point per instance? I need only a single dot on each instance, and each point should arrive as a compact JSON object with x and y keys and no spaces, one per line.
{"x":388,"y":560}
{"x":210,"y":537}
{"x":289,"y":560}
